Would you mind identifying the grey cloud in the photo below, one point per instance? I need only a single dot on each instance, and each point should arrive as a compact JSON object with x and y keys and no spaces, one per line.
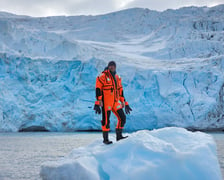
{"x":58,"y":7}
{"x":32,"y":7}
{"x":171,"y":4}
{"x":92,"y":7}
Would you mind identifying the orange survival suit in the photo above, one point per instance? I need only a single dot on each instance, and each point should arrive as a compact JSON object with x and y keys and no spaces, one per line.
{"x":109,"y":90}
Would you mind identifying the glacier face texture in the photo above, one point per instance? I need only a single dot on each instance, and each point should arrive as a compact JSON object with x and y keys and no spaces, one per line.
{"x":171,"y":64}
{"x":60,"y":95}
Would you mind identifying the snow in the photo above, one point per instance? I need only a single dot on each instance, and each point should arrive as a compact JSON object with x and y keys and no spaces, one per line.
{"x":171,"y":64}
{"x":168,"y":153}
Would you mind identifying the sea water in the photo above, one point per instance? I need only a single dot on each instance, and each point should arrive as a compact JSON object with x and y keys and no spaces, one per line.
{"x":219,"y":139}
{"x":21,"y":154}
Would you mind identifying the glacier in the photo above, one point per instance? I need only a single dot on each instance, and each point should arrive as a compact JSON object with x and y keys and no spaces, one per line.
{"x":171,"y":64}
{"x":173,"y":153}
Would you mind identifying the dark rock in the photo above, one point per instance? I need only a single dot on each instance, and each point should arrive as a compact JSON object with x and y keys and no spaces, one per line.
{"x":33,"y":129}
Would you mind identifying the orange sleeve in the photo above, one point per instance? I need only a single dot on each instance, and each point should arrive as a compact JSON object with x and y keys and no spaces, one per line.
{"x":100,"y":81}
{"x":120,"y":89}
{"x":99,"y":86}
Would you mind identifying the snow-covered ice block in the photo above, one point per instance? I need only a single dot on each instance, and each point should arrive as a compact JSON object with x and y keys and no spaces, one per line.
{"x":168,"y":153}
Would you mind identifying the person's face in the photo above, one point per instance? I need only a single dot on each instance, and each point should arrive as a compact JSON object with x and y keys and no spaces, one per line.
{"x":112,"y":68}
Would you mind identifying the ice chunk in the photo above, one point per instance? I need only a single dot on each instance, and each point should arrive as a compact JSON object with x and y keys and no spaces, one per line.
{"x":168,"y":153}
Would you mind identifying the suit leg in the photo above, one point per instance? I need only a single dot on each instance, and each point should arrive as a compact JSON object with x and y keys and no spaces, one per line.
{"x":121,"y":117}
{"x":105,"y":119}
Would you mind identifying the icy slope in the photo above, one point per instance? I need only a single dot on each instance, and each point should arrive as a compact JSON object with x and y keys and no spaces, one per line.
{"x":187,"y":32}
{"x":169,"y":153}
{"x":171,"y":64}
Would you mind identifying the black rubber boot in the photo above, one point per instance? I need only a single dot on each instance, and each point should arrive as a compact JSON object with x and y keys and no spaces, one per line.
{"x":119,"y":134}
{"x":105,"y":138}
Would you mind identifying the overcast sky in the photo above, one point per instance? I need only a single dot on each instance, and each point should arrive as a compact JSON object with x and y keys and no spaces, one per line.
{"x":93,"y":7}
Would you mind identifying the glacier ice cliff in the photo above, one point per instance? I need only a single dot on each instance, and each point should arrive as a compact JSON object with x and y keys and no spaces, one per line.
{"x":171,"y":63}
{"x":60,"y":95}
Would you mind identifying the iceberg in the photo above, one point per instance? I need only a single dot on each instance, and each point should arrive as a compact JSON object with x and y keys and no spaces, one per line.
{"x":168,"y":153}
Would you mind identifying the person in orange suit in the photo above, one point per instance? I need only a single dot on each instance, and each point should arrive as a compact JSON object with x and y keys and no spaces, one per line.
{"x":110,"y":97}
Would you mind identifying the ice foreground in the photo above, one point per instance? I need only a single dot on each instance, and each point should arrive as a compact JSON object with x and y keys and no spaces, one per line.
{"x":171,"y":63}
{"x":168,"y":153}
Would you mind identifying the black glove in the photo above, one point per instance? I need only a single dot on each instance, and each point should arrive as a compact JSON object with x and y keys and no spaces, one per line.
{"x":127,"y":109}
{"x":97,"y":108}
